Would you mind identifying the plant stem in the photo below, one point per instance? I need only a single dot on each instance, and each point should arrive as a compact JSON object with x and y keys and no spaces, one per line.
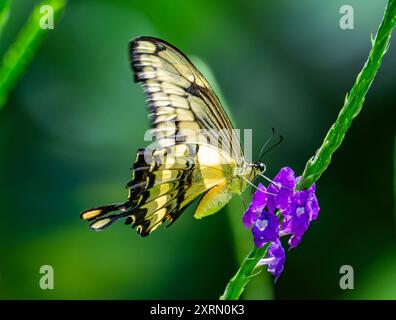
{"x":237,"y":284}
{"x":22,"y":50}
{"x":318,"y":164}
{"x":353,"y":102}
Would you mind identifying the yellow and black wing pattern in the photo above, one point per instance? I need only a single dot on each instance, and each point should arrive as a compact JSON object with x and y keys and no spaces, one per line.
{"x":188,"y":123}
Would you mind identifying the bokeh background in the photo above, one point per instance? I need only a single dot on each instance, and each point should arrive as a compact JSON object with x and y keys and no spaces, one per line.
{"x":71,"y":127}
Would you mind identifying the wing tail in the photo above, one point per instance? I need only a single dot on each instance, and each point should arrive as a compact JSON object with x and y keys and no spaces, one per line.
{"x":95,"y":213}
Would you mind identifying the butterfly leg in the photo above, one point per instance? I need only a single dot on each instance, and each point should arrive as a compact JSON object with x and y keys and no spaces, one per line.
{"x":243,"y":201}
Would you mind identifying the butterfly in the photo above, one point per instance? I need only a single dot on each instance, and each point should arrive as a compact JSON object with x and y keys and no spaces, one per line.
{"x":196,"y":151}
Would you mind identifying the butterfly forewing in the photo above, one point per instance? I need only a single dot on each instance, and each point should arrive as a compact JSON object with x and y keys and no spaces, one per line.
{"x":181,"y":102}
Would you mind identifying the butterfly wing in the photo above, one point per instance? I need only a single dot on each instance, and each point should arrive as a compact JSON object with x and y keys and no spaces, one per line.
{"x":195,"y":146}
{"x":182,"y":104}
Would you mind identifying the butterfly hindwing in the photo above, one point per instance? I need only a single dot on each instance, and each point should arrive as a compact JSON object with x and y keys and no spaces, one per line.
{"x":156,"y":193}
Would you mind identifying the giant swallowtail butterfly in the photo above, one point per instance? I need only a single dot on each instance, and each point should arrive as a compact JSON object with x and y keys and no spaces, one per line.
{"x":196,"y":151}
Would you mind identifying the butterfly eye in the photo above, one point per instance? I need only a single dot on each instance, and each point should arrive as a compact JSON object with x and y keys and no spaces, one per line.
{"x":261,"y":166}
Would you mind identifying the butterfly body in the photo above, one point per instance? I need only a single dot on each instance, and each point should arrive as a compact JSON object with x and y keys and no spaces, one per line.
{"x":195,"y":153}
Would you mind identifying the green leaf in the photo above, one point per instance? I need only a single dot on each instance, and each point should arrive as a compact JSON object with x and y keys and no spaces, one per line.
{"x":22,"y":50}
{"x":4,"y":14}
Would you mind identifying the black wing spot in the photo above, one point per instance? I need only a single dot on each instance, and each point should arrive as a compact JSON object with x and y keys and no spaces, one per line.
{"x":193,"y":90}
{"x":159,"y":47}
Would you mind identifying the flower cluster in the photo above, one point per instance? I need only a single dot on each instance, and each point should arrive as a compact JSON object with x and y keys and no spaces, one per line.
{"x":279,"y":211}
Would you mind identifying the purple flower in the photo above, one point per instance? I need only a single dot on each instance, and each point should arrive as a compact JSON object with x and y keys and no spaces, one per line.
{"x":265,"y":225}
{"x":260,"y":197}
{"x":279,"y":195}
{"x":265,"y":228}
{"x":258,"y":203}
{"x":302,"y":210}
{"x":279,"y":211}
{"x":275,"y":259}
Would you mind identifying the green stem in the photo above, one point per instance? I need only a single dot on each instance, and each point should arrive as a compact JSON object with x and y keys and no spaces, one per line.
{"x":238,"y":282}
{"x":22,"y":50}
{"x":353,"y":102}
{"x":318,"y":164}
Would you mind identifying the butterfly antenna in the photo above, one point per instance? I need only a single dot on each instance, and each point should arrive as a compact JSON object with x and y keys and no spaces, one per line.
{"x":272,"y":147}
{"x":266,"y":143}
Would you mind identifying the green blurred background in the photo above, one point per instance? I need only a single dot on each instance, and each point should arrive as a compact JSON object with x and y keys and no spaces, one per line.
{"x":71,"y":127}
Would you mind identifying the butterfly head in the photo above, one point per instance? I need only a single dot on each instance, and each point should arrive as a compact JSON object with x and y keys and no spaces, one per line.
{"x":260,"y":166}
{"x":249,"y":172}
